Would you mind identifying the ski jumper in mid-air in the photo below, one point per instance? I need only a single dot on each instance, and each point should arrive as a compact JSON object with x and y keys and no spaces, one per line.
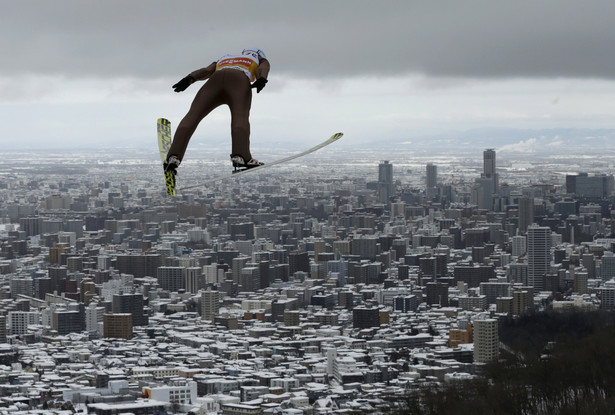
{"x":230,"y":82}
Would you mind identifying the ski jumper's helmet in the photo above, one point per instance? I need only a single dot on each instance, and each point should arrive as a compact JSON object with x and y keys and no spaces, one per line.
{"x":256,"y":51}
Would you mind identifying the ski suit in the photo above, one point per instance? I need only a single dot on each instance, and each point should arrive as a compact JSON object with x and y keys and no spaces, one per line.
{"x":228,"y":83}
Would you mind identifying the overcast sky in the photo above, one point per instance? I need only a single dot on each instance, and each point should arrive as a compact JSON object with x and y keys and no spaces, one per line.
{"x":87,"y":73}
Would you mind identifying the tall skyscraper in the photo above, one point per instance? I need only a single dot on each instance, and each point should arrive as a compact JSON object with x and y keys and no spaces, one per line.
{"x":526,"y":213}
{"x":538,"y":254}
{"x":385,"y":181}
{"x":432,"y":175}
{"x":489,"y":171}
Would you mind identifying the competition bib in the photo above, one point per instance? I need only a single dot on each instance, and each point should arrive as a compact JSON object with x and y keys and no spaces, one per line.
{"x":245,"y":63}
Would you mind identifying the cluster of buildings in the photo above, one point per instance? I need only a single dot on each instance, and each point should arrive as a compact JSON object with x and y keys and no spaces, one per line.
{"x":324,"y":290}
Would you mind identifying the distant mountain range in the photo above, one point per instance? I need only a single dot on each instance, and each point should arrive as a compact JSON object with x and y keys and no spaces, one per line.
{"x":516,"y":142}
{"x":507,"y":142}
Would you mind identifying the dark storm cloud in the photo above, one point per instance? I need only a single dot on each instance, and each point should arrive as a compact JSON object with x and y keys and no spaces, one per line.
{"x":328,"y":38}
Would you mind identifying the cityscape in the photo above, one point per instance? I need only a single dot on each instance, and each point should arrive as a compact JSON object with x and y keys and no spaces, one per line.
{"x":309,"y":288}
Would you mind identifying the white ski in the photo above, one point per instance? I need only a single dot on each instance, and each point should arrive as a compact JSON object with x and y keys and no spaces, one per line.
{"x":331,"y":139}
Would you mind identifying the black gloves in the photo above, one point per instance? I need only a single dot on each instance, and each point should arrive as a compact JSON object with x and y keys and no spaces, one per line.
{"x":183,"y":84}
{"x":259,"y":84}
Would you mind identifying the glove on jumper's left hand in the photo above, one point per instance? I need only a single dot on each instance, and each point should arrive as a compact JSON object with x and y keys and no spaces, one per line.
{"x":259,"y":84}
{"x":183,"y":84}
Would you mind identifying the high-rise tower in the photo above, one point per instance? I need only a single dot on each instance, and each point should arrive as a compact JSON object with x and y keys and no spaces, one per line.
{"x":385,"y":181}
{"x":432,"y":175}
{"x":538,"y":254}
{"x":489,"y":171}
{"x":526,"y":213}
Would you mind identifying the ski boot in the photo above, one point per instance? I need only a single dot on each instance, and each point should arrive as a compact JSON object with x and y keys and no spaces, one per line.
{"x":240,"y":164}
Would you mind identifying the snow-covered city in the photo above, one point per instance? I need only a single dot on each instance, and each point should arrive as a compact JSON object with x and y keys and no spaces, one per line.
{"x":311,"y":288}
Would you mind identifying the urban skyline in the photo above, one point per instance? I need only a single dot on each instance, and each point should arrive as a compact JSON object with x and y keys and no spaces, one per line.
{"x":339,"y":257}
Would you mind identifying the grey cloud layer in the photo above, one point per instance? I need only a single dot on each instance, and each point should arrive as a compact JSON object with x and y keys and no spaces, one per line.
{"x":139,"y":38}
